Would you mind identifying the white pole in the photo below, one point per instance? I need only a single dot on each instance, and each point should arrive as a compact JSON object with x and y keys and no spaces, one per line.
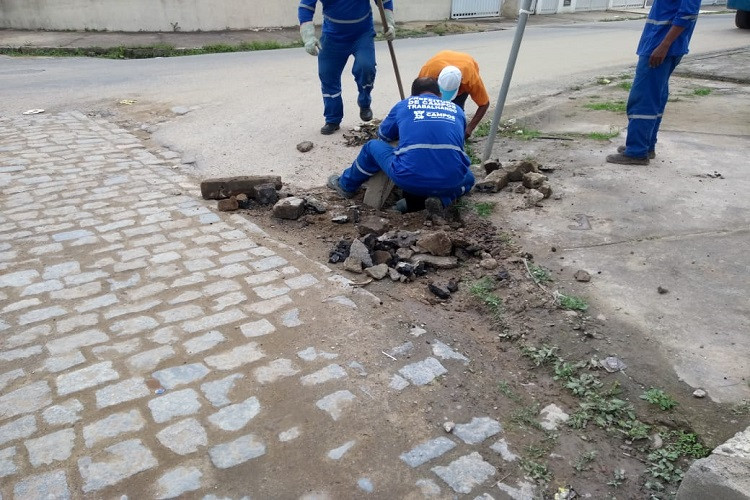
{"x":523,"y":16}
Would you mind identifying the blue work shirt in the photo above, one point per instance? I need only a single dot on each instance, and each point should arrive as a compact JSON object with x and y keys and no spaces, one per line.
{"x":663,"y":15}
{"x":343,"y":20}
{"x":430,"y":153}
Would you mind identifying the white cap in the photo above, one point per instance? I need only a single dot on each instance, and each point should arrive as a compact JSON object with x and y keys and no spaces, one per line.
{"x":449,"y":81}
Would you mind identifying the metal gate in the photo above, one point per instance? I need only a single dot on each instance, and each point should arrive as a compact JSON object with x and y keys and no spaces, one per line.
{"x":544,"y":6}
{"x":584,"y":5}
{"x":462,"y":9}
{"x":628,"y":4}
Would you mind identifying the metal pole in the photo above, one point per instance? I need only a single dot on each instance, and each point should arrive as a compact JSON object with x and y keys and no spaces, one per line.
{"x":522,"y":18}
{"x":390,"y":48}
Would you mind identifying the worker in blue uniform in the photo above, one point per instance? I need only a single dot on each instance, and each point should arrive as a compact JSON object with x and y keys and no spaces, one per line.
{"x":664,"y":41}
{"x":348,"y":30}
{"x":429,"y":160}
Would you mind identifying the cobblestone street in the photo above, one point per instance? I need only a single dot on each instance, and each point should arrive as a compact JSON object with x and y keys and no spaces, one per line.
{"x":152,"y":347}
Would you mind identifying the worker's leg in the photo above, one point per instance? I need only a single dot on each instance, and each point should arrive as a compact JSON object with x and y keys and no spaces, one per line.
{"x":451,"y":195}
{"x":331,"y":62}
{"x":374,"y":156}
{"x":671,"y":62}
{"x":364,"y":68}
{"x":644,"y":106}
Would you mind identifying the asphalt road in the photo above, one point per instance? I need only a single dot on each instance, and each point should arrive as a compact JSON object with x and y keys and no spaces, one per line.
{"x":250,"y":109}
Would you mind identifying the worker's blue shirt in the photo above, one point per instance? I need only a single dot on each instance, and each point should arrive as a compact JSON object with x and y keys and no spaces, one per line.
{"x":343,"y":20}
{"x":430,"y":152}
{"x":663,"y":15}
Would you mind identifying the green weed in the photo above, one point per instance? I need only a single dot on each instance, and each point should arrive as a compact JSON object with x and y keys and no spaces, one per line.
{"x":469,"y":150}
{"x":702,"y":91}
{"x":506,"y":391}
{"x":584,"y":460}
{"x":614,"y":106}
{"x":535,"y":470}
{"x":485,"y":208}
{"x":542,"y":355}
{"x":618,"y":477}
{"x":742,"y":408}
{"x":483,"y":129}
{"x":525,"y":417}
{"x":602,"y":136}
{"x":659,"y":398}
{"x":625,"y":85}
{"x":540,"y":274}
{"x":482,"y":290}
{"x":572,"y":302}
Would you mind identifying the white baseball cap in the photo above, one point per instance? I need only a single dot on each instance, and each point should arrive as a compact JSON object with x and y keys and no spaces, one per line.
{"x":449,"y":81}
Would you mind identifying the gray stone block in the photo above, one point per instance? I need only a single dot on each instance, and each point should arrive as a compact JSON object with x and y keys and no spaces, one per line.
{"x":176,"y":404}
{"x":184,"y":437}
{"x":180,"y":375}
{"x":423,"y":372}
{"x":477,"y":430}
{"x":51,"y":448}
{"x":43,"y":487}
{"x":119,"y":461}
{"x":177,"y":481}
{"x":237,"y":452}
{"x":427,"y":451}
{"x":235,"y":417}
{"x":464,"y":473}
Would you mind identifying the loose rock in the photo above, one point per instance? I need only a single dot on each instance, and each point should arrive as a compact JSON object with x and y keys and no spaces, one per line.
{"x":340,"y":219}
{"x":662,"y":290}
{"x":450,"y":262}
{"x":440,"y":290}
{"x":491,"y":166}
{"x":545,"y":189}
{"x":361,"y":252}
{"x":533,"y":197}
{"x":228,"y":205}
{"x":381,"y":257}
{"x":488,"y":263}
{"x":317,"y":206}
{"x":494,"y":182}
{"x":374,"y":225}
{"x":448,"y":426}
{"x":699,"y":393}
{"x":217,"y":189}
{"x":517,"y":169}
{"x":353,"y":265}
{"x":377,"y":272}
{"x":304,"y":146}
{"x":533,"y":180}
{"x":290,"y":208}
{"x":582,"y":276}
{"x":438,"y":243}
{"x":265,"y":194}
{"x":243,"y":200}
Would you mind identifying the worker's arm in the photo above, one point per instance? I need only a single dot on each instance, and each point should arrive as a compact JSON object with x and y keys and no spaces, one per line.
{"x":481,"y":111}
{"x":686,"y":16}
{"x":660,"y":52}
{"x":305,"y":13}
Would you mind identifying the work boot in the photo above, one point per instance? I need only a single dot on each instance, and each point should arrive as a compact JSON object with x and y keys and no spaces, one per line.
{"x":401,"y":206}
{"x":329,"y":128}
{"x":623,"y":159}
{"x":333,"y":183}
{"x":433,"y":205}
{"x":365,"y":114}
{"x":651,"y":154}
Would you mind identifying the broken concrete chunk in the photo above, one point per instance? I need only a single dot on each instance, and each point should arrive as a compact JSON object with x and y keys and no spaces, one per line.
{"x":243,"y":200}
{"x":440,"y":290}
{"x":218,"y":189}
{"x":290,"y":208}
{"x":317,"y":206}
{"x":377,"y":272}
{"x":494,"y":182}
{"x":381,"y":257}
{"x":491,"y":166}
{"x":361,"y":252}
{"x":228,"y":205}
{"x":353,"y":265}
{"x":533,"y":180}
{"x":437,"y":243}
{"x":437,"y":262}
{"x":375,"y":225}
{"x":533,"y":197}
{"x":517,"y":169}
{"x":304,"y":146}
{"x":404,"y":253}
{"x":265,"y":194}
{"x":582,"y":276}
{"x":545,"y":189}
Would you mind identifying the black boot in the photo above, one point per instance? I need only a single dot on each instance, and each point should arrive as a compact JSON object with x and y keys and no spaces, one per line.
{"x":329,"y":128}
{"x":365,"y":114}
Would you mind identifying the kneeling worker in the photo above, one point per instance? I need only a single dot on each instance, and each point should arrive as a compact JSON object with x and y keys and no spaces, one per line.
{"x":429,"y":161}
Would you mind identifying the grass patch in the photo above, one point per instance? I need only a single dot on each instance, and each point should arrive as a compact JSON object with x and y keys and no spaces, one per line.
{"x":540,"y":274}
{"x":584,"y":460}
{"x":602,"y":136}
{"x":572,"y":302}
{"x":542,"y":355}
{"x":484,"y":208}
{"x":659,"y":398}
{"x":509,"y":393}
{"x":627,"y":85}
{"x":525,"y":417}
{"x":614,"y":106}
{"x":483,"y":290}
{"x":469,"y":150}
{"x":537,"y":471}
{"x":483,"y":129}
{"x":618,"y":477}
{"x":702,"y":91}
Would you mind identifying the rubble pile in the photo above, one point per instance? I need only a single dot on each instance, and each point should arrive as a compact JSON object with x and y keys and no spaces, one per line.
{"x":534,"y":185}
{"x":360,"y":134}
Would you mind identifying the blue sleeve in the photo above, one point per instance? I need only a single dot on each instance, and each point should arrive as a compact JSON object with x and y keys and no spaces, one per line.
{"x":306,"y":10}
{"x":388,"y":5}
{"x":687,"y":13}
{"x":388,"y":130}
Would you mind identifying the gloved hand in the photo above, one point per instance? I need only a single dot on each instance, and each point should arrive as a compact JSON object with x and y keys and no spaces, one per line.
{"x":390,"y":32}
{"x":307,"y":31}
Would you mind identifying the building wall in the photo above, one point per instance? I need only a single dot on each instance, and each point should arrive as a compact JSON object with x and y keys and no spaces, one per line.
{"x":185,"y":15}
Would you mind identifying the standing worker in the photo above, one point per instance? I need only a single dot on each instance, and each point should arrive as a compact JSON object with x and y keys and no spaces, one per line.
{"x":664,"y":41}
{"x":457,"y":75}
{"x":348,"y":30}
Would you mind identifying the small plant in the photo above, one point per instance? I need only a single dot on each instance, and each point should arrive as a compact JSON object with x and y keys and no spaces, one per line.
{"x":469,"y":150}
{"x":572,"y":303}
{"x":662,"y":466}
{"x":702,"y":91}
{"x":625,"y":85}
{"x":536,"y":471}
{"x":540,"y":355}
{"x":506,"y":391}
{"x":584,"y":384}
{"x":659,"y":398}
{"x":540,"y":274}
{"x":584,"y":459}
{"x":483,"y":129}
{"x":603,"y":81}
{"x":482,"y":290}
{"x":527,"y":134}
{"x":742,"y":408}
{"x":614,"y":106}
{"x":484,"y":208}
{"x":602,"y":136}
{"x":687,"y":444}
{"x":525,"y":417}
{"x":618,"y":477}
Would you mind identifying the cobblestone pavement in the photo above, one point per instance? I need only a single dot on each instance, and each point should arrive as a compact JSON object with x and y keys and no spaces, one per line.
{"x":153,"y":348}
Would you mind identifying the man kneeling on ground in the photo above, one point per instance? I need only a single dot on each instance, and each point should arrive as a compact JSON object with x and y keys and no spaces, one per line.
{"x":429,"y":160}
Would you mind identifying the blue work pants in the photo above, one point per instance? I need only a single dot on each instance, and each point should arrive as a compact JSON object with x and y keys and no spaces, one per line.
{"x":331,"y":62}
{"x":377,"y":155}
{"x":646,"y":103}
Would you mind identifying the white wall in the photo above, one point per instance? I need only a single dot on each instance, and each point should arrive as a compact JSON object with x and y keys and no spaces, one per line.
{"x":188,"y":15}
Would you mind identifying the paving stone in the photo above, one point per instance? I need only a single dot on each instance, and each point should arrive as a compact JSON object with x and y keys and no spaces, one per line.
{"x":269,"y":306}
{"x":41,"y":315}
{"x":21,"y":304}
{"x":50,"y":485}
{"x":477,"y":430}
{"x":236,"y":357}
{"x":552,"y":416}
{"x":231,"y":299}
{"x":72,"y":235}
{"x":464,"y":473}
{"x":501,"y":447}
{"x":224,"y":286}
{"x":127,"y":390}
{"x":262,"y":278}
{"x":257,"y":328}
{"x":334,"y":404}
{"x":365,"y":484}
{"x":443,"y":351}
{"x":302,"y":281}
{"x":80,"y":279}
{"x":51,"y":448}
{"x":112,"y":426}
{"x":61,"y":270}
{"x":268,"y":263}
{"x":76,"y":341}
{"x":427,"y":451}
{"x":84,"y":378}
{"x":97,"y":303}
{"x":18,"y":278}
{"x":428,"y":487}
{"x":175,"y":404}
{"x":15,"y":354}
{"x":8,"y":464}
{"x":8,"y":377}
{"x":330,"y":372}
{"x":188,"y":296}
{"x":337,"y":453}
{"x":235,"y":417}
{"x":63,"y":362}
{"x":213,"y":321}
{"x":184,"y":437}
{"x":64,"y":413}
{"x":311,"y":354}
{"x":203,"y":342}
{"x":271,"y":291}
{"x":237,"y":452}
{"x":43,"y":287}
{"x":131,"y":326}
{"x":25,"y":399}
{"x":177,"y":481}
{"x":148,"y":360}
{"x":289,"y":435}
{"x":117,"y":350}
{"x":341,"y":300}
{"x":78,"y":292}
{"x":275,"y":370}
{"x":119,"y":461}
{"x":181,"y":313}
{"x":290,"y":318}
{"x":423,"y":372}
{"x":524,"y":490}
{"x":180,"y":375}
{"x":217,"y":392}
{"x":20,"y":428}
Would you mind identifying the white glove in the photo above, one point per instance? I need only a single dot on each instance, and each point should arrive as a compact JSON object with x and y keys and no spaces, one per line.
{"x":390,"y":32}
{"x":307,"y":31}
